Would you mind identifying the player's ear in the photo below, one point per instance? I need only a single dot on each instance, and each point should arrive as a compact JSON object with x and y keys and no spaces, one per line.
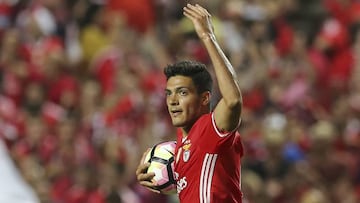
{"x":205,"y":98}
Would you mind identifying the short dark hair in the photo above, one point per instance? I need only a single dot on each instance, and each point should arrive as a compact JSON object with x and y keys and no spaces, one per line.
{"x":195,"y":70}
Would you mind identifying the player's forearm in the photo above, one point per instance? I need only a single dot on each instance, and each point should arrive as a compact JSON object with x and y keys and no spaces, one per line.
{"x":225,"y":73}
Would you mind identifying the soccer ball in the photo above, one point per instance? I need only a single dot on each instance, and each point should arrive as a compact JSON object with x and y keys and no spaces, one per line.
{"x":161,"y":159}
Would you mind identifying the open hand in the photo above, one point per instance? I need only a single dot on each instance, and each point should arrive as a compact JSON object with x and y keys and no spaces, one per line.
{"x":201,"y":19}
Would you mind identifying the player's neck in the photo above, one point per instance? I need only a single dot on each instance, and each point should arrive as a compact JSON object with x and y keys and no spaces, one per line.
{"x":185,"y":131}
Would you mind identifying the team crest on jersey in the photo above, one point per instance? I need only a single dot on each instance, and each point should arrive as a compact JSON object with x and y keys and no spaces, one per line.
{"x":186,"y":148}
{"x":186,"y":155}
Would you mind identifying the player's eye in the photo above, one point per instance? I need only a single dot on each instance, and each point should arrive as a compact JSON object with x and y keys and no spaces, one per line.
{"x":183,"y":92}
{"x":167,"y":93}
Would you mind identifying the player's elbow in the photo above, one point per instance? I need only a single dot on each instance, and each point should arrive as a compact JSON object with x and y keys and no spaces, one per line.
{"x":234,"y":103}
{"x":235,"y":107}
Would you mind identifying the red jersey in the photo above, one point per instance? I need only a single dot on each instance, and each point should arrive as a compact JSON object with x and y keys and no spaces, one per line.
{"x":207,"y":164}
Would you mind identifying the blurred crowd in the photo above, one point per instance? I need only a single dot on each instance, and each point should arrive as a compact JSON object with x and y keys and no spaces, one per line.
{"x":81,"y":94}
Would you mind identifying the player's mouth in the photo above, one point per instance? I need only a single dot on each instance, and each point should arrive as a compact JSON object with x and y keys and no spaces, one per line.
{"x":176,"y":112}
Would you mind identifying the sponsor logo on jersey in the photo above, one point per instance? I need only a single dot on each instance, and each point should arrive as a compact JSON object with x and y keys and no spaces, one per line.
{"x":181,"y":184}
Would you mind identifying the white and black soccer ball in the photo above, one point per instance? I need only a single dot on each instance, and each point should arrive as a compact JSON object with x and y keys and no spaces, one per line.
{"x":161,"y":158}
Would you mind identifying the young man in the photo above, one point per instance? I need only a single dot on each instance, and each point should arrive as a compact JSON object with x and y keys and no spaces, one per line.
{"x":208,"y":151}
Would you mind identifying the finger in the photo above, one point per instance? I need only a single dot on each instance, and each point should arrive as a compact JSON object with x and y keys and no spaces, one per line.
{"x":142,"y":168}
{"x":151,"y":188}
{"x":195,"y":9}
{"x":203,"y":10}
{"x":144,"y":155}
{"x":147,"y":184}
{"x":190,"y":13}
{"x":145,"y":176}
{"x":189,"y":16}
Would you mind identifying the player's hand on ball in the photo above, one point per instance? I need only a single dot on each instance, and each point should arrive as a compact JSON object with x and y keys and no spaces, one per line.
{"x":156,"y":168}
{"x":142,"y":176}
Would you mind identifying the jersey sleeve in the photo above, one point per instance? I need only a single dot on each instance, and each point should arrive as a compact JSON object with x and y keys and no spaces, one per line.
{"x":212,"y":138}
{"x":218,"y":132}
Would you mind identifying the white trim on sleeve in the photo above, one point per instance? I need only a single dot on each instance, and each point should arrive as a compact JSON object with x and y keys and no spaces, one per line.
{"x":217,"y":130}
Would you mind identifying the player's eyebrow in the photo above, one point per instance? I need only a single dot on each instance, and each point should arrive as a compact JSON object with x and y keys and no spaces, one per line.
{"x":176,"y":89}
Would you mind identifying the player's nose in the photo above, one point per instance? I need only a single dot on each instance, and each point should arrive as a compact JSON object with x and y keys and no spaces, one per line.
{"x":173,"y":100}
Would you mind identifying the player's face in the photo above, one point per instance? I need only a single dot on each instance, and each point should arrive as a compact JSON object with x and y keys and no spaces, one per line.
{"x":183,"y":102}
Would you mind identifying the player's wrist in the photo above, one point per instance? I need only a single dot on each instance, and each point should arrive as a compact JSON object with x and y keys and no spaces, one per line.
{"x":207,"y":37}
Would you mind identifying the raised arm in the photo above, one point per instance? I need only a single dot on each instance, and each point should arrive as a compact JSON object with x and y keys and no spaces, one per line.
{"x":227,"y":111}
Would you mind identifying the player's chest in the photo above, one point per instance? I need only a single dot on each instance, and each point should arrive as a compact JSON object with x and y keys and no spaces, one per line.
{"x":188,"y":155}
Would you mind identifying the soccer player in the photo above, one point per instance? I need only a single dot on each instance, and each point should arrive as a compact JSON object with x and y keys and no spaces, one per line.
{"x":208,"y":151}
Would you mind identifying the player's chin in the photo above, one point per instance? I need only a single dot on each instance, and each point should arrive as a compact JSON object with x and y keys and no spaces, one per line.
{"x":177,"y":123}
